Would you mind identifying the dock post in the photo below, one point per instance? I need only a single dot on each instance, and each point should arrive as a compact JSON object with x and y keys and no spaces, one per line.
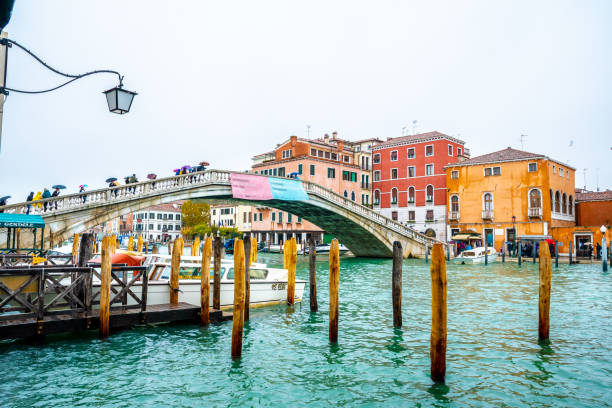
{"x":448,"y":252}
{"x":610,"y":254}
{"x":426,"y":253}
{"x":205,"y":283}
{"x":503,"y":251}
{"x":312,"y":267}
{"x":247,"y":276}
{"x":570,"y":252}
{"x":238,"y":313}
{"x":105,"y":285}
{"x":139,"y":244}
{"x":155,"y":249}
{"x":437,"y":351}
{"x":174,"y":271}
{"x":396,"y":284}
{"x":334,"y":283}
{"x":86,"y":249}
{"x":114,"y":243}
{"x":604,"y":254}
{"x":285,"y":255}
{"x":556,"y":254}
{"x":217,"y":273}
{"x":75,"y":249}
{"x":131,"y":243}
{"x":253,"y":249}
{"x":533,"y":251}
{"x":291,"y":264}
{"x":486,"y":251}
{"x":196,"y":246}
{"x":544,"y":296}
{"x":520,"y":253}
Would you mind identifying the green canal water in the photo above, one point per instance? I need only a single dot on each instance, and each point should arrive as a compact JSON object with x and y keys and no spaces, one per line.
{"x":493,"y":356}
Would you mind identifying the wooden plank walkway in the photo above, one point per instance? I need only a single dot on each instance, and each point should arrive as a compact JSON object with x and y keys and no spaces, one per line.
{"x":119,"y":320}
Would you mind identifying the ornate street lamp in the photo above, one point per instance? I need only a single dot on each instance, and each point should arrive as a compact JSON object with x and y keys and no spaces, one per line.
{"x":119,"y":99}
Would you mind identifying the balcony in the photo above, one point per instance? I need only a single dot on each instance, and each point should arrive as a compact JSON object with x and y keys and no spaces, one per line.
{"x":453,"y":216}
{"x":429,"y":199}
{"x":429,"y":220}
{"x":410,"y":200}
{"x":535,"y":212}
{"x":411,"y":221}
{"x":487,"y":214}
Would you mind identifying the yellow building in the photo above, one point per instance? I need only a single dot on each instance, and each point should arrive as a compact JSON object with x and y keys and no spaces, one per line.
{"x":510,"y":194}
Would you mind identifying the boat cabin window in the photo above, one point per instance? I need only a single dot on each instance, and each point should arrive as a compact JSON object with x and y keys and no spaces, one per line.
{"x":253,"y":273}
{"x":189,"y":272}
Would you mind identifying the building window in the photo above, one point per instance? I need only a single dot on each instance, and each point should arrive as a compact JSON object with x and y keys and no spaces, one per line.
{"x":557,"y":201}
{"x":454,"y":174}
{"x":496,"y":171}
{"x":274,"y":172}
{"x":376,"y":197}
{"x":429,"y":150}
{"x":346,"y":176}
{"x":273,"y":216}
{"x":260,"y":216}
{"x":487,"y":171}
{"x":429,"y":169}
{"x":394,"y":196}
{"x":561,"y":171}
{"x":159,"y":216}
{"x":289,"y":218}
{"x":347,"y":159}
{"x":286,"y":154}
{"x":299,"y":169}
{"x":564,"y":204}
{"x":334,"y":156}
{"x":554,"y":169}
{"x":313,"y":152}
{"x":488,"y":202}
{"x":534,"y":167}
{"x":429,"y":215}
{"x":394,"y":215}
{"x":280,"y":217}
{"x":327,"y":155}
{"x":159,"y":227}
{"x":455,"y":203}
{"x":170,"y":216}
{"x":150,"y":226}
{"x":459,"y":151}
{"x":151,"y":216}
{"x":535,"y":199}
{"x":281,"y":172}
{"x":331,"y":173}
{"x":393,"y":174}
{"x":411,"y":171}
{"x":320,"y":153}
{"x":411,"y":215}
{"x":299,"y":220}
{"x":410,"y":153}
{"x":353,"y":195}
{"x":570,"y":209}
{"x":394,"y":155}
{"x":377,"y":175}
{"x":429,"y":193}
{"x":450,"y":150}
{"x":345,"y":194}
{"x":312,"y":169}
{"x":411,"y":194}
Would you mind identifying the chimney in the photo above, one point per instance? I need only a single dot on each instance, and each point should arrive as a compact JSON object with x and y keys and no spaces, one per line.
{"x":334,"y":135}
{"x":340,"y":145}
{"x":326,"y":138}
{"x":293,"y":140}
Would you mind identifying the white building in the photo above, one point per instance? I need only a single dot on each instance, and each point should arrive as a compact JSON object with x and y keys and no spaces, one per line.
{"x":159,"y":223}
{"x":225,"y":215}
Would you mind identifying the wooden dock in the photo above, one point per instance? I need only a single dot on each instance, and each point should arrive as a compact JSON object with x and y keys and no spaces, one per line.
{"x":37,"y":301}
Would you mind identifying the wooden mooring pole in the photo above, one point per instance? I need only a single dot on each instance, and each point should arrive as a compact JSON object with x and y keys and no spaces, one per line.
{"x":131,"y":243}
{"x":312,"y":267}
{"x":437,"y":351}
{"x":544,"y":296}
{"x":520,"y":253}
{"x":196,"y":246}
{"x":139,"y":244}
{"x":533,"y":251}
{"x":604,"y":254}
{"x":291,"y":265}
{"x":238,"y":312}
{"x":334,"y":283}
{"x":570,"y":252}
{"x":174,"y":271}
{"x":397,"y":284}
{"x":105,"y":285}
{"x":217,"y":274}
{"x":205,"y":283}
{"x":253,"y":249}
{"x":75,"y":249}
{"x":556,"y":254}
{"x":503,"y":251}
{"x":247,"y":276}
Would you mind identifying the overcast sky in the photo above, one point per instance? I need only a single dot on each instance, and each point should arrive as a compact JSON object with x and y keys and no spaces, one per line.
{"x":224,"y":80}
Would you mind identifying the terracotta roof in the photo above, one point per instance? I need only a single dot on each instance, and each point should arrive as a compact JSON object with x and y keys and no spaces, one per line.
{"x":508,"y":154}
{"x":169,"y":207}
{"x":421,"y":137}
{"x":584,"y":195}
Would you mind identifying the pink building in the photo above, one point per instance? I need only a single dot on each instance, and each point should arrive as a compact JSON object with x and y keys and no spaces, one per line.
{"x":334,"y":163}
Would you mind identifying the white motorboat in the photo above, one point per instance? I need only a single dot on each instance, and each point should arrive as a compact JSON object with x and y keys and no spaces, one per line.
{"x":325,"y":248}
{"x":477,"y":255}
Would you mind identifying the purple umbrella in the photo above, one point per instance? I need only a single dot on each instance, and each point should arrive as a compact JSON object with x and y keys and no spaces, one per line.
{"x":152,"y":176}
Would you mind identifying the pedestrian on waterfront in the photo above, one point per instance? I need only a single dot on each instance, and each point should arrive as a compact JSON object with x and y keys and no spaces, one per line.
{"x":38,"y":196}
{"x":2,"y":204}
{"x":133,"y":180}
{"x":598,"y":248}
{"x":29,"y":199}
{"x":55,"y":194}
{"x":82,"y":190}
{"x":46,"y":194}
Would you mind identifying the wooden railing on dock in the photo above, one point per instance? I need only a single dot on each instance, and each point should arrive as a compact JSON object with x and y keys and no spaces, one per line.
{"x":11,"y":260}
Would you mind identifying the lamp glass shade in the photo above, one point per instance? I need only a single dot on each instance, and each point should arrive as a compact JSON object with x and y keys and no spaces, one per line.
{"x":119,"y":100}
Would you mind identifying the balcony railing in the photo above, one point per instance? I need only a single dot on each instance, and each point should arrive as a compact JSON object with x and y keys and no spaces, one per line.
{"x":535,"y":212}
{"x":411,"y":200}
{"x":453,"y":216}
{"x":487,"y":214}
{"x":429,"y":220}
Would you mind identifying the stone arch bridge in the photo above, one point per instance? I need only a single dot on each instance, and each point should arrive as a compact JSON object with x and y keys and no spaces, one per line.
{"x":359,"y":228}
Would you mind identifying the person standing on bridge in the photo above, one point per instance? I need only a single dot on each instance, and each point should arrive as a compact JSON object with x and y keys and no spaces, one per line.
{"x":46,"y":194}
{"x":55,"y":194}
{"x":29,"y":199}
{"x":2,"y":203}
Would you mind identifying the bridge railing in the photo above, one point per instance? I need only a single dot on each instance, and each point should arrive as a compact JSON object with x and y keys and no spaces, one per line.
{"x":124,"y":192}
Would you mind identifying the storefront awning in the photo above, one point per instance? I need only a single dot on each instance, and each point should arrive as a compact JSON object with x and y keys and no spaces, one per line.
{"x":465,"y":237}
{"x":21,"y":221}
{"x":534,"y":237}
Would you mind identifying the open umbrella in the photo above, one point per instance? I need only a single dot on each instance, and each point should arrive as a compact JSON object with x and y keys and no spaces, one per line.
{"x":185,"y":167}
{"x":111,"y":179}
{"x":4,"y":198}
{"x":60,"y":186}
{"x":204,"y":163}
{"x":85,"y":185}
{"x":294,"y":175}
{"x":152,"y":176}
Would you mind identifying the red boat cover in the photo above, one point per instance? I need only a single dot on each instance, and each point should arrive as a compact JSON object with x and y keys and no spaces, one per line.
{"x":123,"y":258}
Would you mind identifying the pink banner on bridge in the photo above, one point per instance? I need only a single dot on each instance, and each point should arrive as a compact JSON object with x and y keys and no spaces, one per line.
{"x":250,"y":187}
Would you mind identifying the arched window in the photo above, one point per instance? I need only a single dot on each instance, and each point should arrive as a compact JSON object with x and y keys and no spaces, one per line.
{"x":557,"y":202}
{"x":488,"y":202}
{"x":570,"y":209}
{"x":353,"y":195}
{"x":455,"y":203}
{"x":376,"y":197}
{"x":535,"y":199}
{"x":394,"y":195}
{"x":564,"y":203}
{"x":429,"y":193}
{"x":345,"y":194}
{"x":411,"y":194}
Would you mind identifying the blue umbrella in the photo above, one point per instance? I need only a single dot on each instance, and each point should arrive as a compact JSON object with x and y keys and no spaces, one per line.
{"x":60,"y":186}
{"x":294,"y":175}
{"x":4,"y":198}
{"x":111,"y":179}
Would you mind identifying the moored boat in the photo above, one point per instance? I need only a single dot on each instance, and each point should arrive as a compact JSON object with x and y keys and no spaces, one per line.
{"x":477,"y":255}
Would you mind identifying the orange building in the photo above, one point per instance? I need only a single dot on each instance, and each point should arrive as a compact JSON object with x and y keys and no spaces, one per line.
{"x":510,"y":194}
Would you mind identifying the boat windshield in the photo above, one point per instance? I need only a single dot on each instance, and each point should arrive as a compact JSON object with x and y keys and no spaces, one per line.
{"x":469,"y":253}
{"x":253,"y":274}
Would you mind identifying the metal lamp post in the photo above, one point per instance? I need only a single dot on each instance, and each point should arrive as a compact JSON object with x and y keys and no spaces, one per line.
{"x":604,"y":249}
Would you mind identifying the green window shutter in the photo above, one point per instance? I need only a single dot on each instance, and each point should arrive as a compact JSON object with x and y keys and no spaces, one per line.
{"x":273,"y":216}
{"x":299,"y":169}
{"x":274,"y":172}
{"x":312,"y":169}
{"x":299,"y":219}
{"x":280,"y":217}
{"x":289,"y":218}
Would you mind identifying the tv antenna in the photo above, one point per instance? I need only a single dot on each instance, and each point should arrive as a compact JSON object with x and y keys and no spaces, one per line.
{"x":404,"y":131}
{"x":522,"y":141}
{"x":584,"y":172}
{"x":597,"y":178}
{"x":308,"y":130}
{"x":414,"y":123}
